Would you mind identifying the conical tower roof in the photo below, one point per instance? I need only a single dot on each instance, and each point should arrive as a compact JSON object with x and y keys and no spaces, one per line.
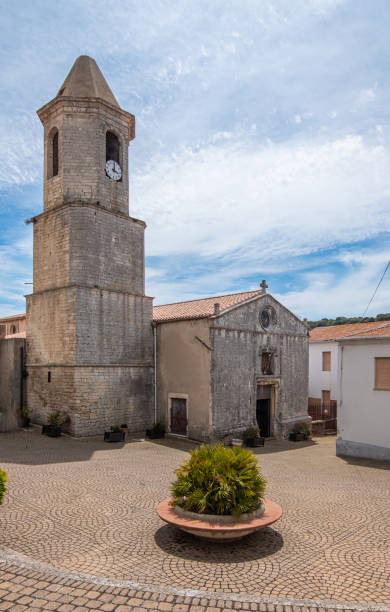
{"x":85,"y":80}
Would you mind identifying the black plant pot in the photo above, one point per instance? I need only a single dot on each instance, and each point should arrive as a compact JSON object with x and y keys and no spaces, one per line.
{"x":154,"y":435}
{"x":254,"y":442}
{"x":26,"y":421}
{"x":296,"y":437}
{"x":51,"y":430}
{"x":114,"y":436}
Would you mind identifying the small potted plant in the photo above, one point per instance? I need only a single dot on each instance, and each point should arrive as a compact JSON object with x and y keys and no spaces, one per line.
{"x":55,"y":420}
{"x":157,"y":431}
{"x":114,"y":434}
{"x":252,"y":437}
{"x":125,"y":430}
{"x":300,"y":432}
{"x":26,"y":421}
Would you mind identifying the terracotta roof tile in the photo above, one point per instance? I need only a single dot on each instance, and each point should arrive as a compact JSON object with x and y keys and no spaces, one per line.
{"x":12,"y":318}
{"x":199,"y":309}
{"x":17,"y":335}
{"x":348,"y":329}
{"x":377,"y":332}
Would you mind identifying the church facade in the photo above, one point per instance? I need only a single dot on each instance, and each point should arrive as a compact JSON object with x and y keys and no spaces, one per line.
{"x":230,"y":362}
{"x":95,"y":348}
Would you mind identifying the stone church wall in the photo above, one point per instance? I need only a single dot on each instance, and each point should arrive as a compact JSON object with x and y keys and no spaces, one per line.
{"x":238,"y":341}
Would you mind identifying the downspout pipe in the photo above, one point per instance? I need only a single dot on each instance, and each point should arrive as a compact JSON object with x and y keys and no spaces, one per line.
{"x":155,"y":371}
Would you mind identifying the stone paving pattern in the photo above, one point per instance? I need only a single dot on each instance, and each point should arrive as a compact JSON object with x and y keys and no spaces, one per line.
{"x":80,"y":532}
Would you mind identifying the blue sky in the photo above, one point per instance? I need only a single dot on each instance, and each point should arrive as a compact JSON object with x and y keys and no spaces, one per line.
{"x":262,"y":143}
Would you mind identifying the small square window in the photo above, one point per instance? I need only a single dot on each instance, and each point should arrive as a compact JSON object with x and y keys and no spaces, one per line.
{"x":382,"y":373}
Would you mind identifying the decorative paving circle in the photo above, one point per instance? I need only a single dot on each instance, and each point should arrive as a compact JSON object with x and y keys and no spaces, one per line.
{"x":86,"y":507}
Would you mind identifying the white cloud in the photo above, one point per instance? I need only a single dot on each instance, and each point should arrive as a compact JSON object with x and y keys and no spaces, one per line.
{"x":270,"y":201}
{"x":334,"y":294}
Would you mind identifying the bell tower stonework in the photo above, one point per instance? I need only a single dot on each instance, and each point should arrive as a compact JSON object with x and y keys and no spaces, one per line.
{"x":89,"y":332}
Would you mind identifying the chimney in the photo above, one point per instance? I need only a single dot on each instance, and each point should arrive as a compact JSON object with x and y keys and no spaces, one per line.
{"x":216,"y":308}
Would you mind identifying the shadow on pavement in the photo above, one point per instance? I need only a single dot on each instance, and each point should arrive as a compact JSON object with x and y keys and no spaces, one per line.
{"x":370,"y":463}
{"x":30,"y":447}
{"x":177,"y":443}
{"x":255,"y":546}
{"x":280,"y":446}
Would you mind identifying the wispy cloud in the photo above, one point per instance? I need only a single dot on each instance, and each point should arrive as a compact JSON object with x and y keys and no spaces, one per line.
{"x":268,"y":201}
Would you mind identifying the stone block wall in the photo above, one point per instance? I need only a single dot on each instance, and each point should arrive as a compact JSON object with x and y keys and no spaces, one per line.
{"x":113,"y":328}
{"x":82,"y":127}
{"x":12,"y":383}
{"x":238,"y":340}
{"x":51,"y":326}
{"x":87,"y":245}
{"x":93,"y":397}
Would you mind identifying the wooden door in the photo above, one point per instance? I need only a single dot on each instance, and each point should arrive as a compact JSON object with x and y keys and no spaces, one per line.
{"x":179,"y":416}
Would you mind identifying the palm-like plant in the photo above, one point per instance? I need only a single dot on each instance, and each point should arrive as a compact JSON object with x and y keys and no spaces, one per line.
{"x":219,"y":480}
{"x":3,"y":488}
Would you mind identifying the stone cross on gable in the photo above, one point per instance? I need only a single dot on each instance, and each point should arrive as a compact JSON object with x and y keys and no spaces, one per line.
{"x":263,"y":286}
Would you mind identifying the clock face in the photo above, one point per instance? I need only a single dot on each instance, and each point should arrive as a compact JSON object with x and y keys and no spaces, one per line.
{"x":113,"y":170}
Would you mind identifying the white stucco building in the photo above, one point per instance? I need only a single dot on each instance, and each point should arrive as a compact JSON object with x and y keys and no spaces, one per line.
{"x":364,"y":394}
{"x":324,"y":355}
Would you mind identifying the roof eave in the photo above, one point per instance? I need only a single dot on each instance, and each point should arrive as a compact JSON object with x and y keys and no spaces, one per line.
{"x":355,"y":338}
{"x":176,"y":319}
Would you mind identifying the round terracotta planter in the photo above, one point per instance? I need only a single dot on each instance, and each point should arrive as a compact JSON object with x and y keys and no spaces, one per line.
{"x":222,"y":528}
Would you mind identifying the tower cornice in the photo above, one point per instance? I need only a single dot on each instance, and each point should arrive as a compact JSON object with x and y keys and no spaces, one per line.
{"x":88,"y":104}
{"x":96,"y":206}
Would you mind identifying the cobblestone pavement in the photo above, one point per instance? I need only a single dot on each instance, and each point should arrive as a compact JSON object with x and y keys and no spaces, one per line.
{"x":79,"y":532}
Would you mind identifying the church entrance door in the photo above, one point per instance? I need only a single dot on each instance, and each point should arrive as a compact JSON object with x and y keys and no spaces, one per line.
{"x":263,"y":409}
{"x":179,"y":416}
{"x":263,"y":416}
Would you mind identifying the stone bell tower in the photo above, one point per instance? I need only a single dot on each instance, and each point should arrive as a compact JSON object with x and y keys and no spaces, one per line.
{"x":89,"y":334}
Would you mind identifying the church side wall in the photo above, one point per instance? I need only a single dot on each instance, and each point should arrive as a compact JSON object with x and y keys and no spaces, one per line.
{"x":183,"y":370}
{"x":11,"y":383}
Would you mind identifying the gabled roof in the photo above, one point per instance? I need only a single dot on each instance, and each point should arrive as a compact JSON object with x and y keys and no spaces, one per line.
{"x":200,"y":309}
{"x":377,"y":332}
{"x":13,"y":318}
{"x":85,"y":80}
{"x":322,"y":334}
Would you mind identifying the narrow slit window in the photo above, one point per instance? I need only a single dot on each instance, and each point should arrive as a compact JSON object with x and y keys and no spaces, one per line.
{"x":55,"y":154}
{"x":112,"y":147}
{"x":49,"y":377}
